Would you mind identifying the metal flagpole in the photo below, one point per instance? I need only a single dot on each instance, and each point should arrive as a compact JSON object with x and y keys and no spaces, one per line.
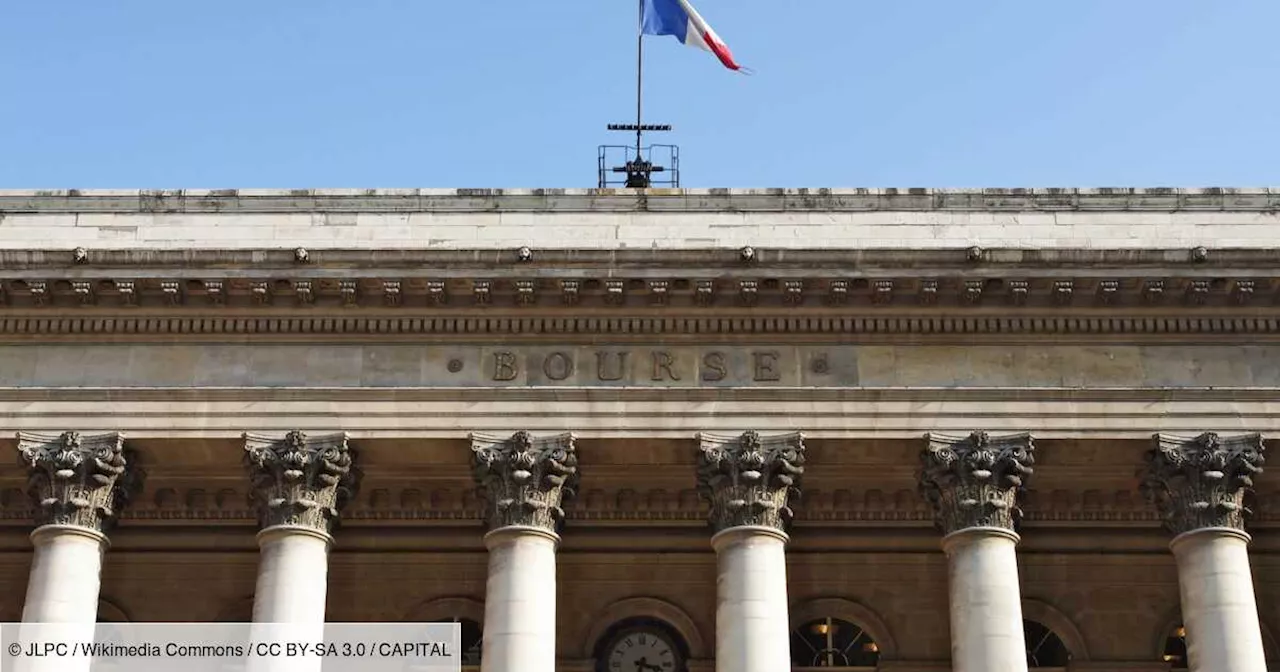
{"x":639,"y":78}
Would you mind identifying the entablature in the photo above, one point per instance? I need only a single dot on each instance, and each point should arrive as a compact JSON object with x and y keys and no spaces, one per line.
{"x":528,"y":292}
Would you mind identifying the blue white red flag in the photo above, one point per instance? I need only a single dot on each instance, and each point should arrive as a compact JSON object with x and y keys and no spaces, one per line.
{"x":679,"y":18}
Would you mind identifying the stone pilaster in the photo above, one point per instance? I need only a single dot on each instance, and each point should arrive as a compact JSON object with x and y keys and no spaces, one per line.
{"x":525,"y":480}
{"x":1199,"y":484}
{"x":750,"y":479}
{"x":1201,"y":481}
{"x":299,"y":480}
{"x":975,"y":480}
{"x":973,"y":484}
{"x":77,"y":480}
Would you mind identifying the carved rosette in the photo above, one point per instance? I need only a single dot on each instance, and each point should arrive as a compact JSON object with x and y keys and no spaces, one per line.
{"x":78,"y":480}
{"x":525,"y":480}
{"x":299,"y":480}
{"x":975,"y":480}
{"x":750,"y":479}
{"x":1201,"y":481}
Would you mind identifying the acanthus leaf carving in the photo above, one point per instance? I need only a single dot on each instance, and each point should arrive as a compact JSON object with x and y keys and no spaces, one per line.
{"x":300,"y":480}
{"x":79,"y":480}
{"x":750,"y":479}
{"x":975,"y":480}
{"x":525,"y":479}
{"x":1201,"y":481}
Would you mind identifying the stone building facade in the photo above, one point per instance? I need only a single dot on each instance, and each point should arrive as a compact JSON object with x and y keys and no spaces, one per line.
{"x":743,"y":431}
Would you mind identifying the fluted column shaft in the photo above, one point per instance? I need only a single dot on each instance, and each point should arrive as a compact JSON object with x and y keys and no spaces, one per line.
{"x":525,"y":480}
{"x":1198,"y":484}
{"x":749,"y":480}
{"x":973,"y":483}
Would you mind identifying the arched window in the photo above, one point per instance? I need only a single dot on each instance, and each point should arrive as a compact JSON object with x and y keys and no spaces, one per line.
{"x":826,"y":643}
{"x":1044,"y":647}
{"x":1175,"y":649}
{"x":472,"y":641}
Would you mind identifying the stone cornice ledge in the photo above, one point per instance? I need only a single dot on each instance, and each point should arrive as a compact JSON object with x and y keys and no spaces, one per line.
{"x":621,"y":200}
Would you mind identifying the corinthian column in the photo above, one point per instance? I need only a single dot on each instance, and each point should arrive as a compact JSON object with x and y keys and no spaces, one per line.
{"x":749,"y":480}
{"x":299,"y":485}
{"x":77,"y":485}
{"x":1198,"y":484}
{"x":973,"y":483}
{"x":525,"y":480}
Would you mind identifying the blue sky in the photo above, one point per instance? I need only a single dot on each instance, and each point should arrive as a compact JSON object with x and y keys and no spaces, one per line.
{"x":516,"y":93}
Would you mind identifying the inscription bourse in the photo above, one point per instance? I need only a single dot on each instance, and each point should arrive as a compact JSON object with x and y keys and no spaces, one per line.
{"x":642,"y":366}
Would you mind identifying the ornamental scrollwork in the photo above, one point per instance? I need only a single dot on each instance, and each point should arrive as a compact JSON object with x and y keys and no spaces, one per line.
{"x":525,"y":480}
{"x":300,"y":480}
{"x":976,"y":480}
{"x":78,"y":480}
{"x":750,"y":479}
{"x":1201,"y":481}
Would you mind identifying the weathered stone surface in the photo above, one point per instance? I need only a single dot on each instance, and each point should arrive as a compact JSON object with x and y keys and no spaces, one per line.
{"x":300,"y":480}
{"x":590,"y":219}
{"x":78,"y":480}
{"x":975,"y":480}
{"x":525,"y":479}
{"x":750,"y":479}
{"x":1201,"y":481}
{"x":659,"y":366}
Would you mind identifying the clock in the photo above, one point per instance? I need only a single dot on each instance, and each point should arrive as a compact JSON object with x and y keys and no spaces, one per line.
{"x":642,"y":649}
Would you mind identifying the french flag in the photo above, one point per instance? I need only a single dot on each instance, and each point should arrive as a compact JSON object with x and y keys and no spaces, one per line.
{"x":679,"y":18}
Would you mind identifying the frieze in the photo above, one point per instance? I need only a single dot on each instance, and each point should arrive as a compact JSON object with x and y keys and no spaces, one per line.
{"x":464,"y":504}
{"x":781,"y":293}
{"x":866,"y":326}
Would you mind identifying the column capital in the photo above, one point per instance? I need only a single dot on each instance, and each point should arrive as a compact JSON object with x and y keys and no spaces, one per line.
{"x":78,"y":480}
{"x":300,"y":480}
{"x":525,"y":479}
{"x":1200,"y":481}
{"x":975,"y":480}
{"x":749,"y":478}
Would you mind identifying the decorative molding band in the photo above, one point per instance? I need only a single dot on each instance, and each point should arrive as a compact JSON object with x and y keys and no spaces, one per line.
{"x":452,"y":506}
{"x":216,"y":201}
{"x":759,"y":394}
{"x":567,"y":327}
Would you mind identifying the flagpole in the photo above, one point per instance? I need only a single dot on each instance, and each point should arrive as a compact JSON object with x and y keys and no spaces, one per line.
{"x":639,"y":77}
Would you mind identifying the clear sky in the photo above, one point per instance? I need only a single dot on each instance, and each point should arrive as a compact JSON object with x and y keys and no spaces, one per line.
{"x":516,"y":93}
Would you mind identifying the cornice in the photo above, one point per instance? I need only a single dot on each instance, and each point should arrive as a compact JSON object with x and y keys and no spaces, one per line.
{"x":630,"y":200}
{"x":665,"y":395}
{"x":643,"y":507}
{"x":460,"y":293}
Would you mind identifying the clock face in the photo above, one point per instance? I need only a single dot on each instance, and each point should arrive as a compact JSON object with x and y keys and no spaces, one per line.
{"x":642,"y":650}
